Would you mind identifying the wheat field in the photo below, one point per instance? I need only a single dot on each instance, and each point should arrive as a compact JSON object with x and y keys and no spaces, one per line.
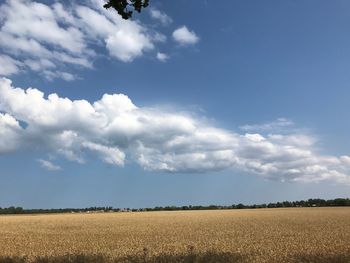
{"x":263,"y":235}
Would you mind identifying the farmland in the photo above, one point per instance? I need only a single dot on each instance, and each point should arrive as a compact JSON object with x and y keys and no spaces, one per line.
{"x":263,"y":235}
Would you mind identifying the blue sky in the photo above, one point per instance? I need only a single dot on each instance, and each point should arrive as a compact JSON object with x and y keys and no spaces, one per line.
{"x":243,"y":103}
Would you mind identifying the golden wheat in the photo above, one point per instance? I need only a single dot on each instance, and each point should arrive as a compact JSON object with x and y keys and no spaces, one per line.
{"x":264,"y":235}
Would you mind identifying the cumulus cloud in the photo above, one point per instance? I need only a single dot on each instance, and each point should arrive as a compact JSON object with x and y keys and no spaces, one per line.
{"x":162,"y":57}
{"x":10,"y":133}
{"x":160,"y":16}
{"x":124,"y":39}
{"x":184,"y":36}
{"x":47,"y":165}
{"x":111,"y":155}
{"x":50,"y":38}
{"x":115,"y":130}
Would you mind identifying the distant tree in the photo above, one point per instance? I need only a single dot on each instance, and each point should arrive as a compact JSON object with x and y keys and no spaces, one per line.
{"x":240,"y":206}
{"x":271,"y":205}
{"x":341,"y":202}
{"x":287,"y":204}
{"x":124,"y":7}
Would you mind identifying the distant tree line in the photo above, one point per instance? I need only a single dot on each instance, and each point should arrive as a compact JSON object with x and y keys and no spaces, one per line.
{"x":20,"y":210}
{"x":304,"y":203}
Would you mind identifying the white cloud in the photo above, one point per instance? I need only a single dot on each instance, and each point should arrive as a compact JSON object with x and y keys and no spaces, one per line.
{"x":40,"y":64}
{"x":159,"y":37}
{"x":124,"y":40}
{"x":37,"y":21}
{"x":126,"y":46}
{"x":160,"y":16}
{"x":8,"y":65}
{"x":108,"y":154}
{"x":49,"y":165}
{"x":184,"y":36}
{"x":116,"y":131}
{"x":280,"y":123}
{"x":50,"y":38}
{"x":162,"y":57}
{"x":50,"y":75}
{"x":10,"y":133}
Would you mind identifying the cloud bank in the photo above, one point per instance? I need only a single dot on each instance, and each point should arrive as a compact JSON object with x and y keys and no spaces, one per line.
{"x":115,"y":130}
